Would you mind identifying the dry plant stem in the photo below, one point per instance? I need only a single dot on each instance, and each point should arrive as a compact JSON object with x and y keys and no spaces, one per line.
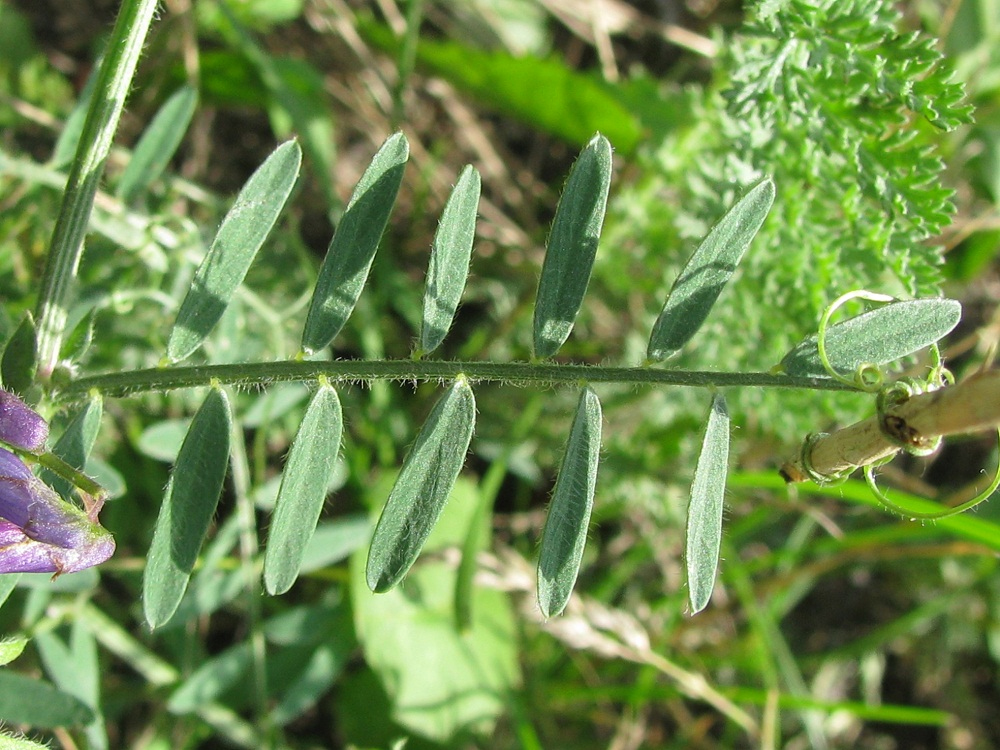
{"x":969,"y":406}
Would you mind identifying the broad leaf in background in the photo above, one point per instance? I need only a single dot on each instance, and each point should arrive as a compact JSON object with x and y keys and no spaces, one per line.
{"x":158,"y":144}
{"x":352,"y":250}
{"x":441,"y":682}
{"x":559,"y":100}
{"x":704,"y":524}
{"x":188,"y":506}
{"x":308,"y":472}
{"x":429,"y":471}
{"x":572,"y":246}
{"x":234,"y":248}
{"x":565,"y":534}
{"x":449,"y":264}
{"x":701,"y":282}
{"x":876,"y":337}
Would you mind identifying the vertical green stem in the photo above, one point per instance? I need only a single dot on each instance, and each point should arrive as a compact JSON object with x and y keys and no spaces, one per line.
{"x":108,"y":100}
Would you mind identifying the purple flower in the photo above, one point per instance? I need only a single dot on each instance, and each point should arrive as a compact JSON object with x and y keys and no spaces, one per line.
{"x":42,"y":533}
{"x":19,"y":425}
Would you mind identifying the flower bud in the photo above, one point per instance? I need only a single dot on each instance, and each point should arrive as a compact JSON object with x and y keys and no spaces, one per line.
{"x":20,"y":426}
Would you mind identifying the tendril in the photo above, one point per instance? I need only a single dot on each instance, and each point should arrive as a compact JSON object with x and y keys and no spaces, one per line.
{"x":896,"y":508}
{"x":867,"y":376}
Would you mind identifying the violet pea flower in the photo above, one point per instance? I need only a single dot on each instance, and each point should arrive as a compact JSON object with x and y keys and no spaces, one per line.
{"x":42,"y":533}
{"x":39,"y":531}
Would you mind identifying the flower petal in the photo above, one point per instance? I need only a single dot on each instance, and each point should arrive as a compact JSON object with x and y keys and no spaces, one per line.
{"x":20,"y":554}
{"x":21,"y":426}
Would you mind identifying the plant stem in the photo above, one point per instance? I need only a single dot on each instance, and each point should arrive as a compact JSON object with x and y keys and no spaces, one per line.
{"x":120,"y":384}
{"x":108,"y":99}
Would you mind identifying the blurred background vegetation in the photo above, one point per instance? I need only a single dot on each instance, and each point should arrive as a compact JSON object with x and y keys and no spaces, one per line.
{"x":834,"y":624}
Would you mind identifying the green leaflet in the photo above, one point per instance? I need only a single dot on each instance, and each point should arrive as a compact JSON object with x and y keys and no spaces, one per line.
{"x":38,"y":704}
{"x":875,"y":337}
{"x":449,"y":263}
{"x":422,"y":488}
{"x":188,"y":506}
{"x":565,"y":533}
{"x":701,"y":282}
{"x":243,"y":231}
{"x":704,"y":524}
{"x":75,"y":443}
{"x":308,"y":472}
{"x":19,"y":360}
{"x":349,"y":257}
{"x":11,"y":648}
{"x":158,"y":144}
{"x":572,"y":246}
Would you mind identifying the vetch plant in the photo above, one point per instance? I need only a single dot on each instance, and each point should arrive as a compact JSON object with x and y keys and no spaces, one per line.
{"x":42,"y":532}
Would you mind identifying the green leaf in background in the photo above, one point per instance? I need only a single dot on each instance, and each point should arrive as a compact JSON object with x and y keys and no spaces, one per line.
{"x":17,"y":366}
{"x":442,"y":682}
{"x":75,"y":443}
{"x":559,"y":100}
{"x":297,"y":100}
{"x":188,"y":506}
{"x":308,"y":472}
{"x":158,"y":144}
{"x":568,"y":520}
{"x":38,"y":704}
{"x":876,"y":337}
{"x":709,"y":269}
{"x":572,"y":246}
{"x":11,"y":647}
{"x":429,"y":472}
{"x":449,"y":264}
{"x":243,"y":231}
{"x":352,"y":250}
{"x":212,"y":678}
{"x":75,"y":669}
{"x":704,"y":523}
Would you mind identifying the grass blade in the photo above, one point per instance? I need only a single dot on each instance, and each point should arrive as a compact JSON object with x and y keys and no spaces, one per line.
{"x":158,"y":144}
{"x":308,"y":472}
{"x":352,"y":250}
{"x":449,"y":264}
{"x":876,"y":337}
{"x":572,"y":246}
{"x":188,"y":506}
{"x":422,"y":488}
{"x":711,"y":266}
{"x":704,"y":525}
{"x":234,"y":248}
{"x":565,"y":533}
